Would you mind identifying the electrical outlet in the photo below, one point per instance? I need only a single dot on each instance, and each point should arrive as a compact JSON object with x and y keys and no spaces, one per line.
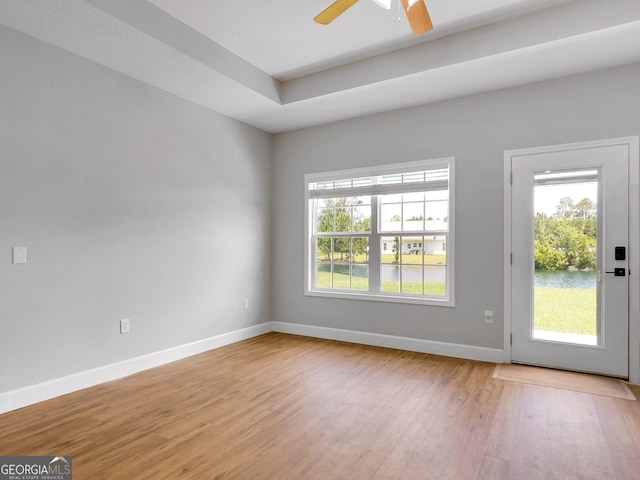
{"x":246,"y":303}
{"x":125,"y":325}
{"x":488,"y":316}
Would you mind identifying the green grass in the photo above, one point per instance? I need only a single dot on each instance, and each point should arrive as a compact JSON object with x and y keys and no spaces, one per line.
{"x":567,"y":310}
{"x":341,"y":282}
{"x":388,"y":258}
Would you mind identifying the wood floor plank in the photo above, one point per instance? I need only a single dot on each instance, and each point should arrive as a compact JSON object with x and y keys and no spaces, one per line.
{"x":288,"y":407}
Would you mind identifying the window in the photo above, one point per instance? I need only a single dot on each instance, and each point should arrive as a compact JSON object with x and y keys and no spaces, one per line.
{"x":382,"y":233}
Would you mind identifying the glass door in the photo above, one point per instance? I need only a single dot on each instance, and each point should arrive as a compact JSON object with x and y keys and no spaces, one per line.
{"x":565,"y":255}
{"x":569,"y":278}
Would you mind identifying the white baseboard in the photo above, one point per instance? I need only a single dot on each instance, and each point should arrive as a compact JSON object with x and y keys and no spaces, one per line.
{"x":32,"y":394}
{"x":469,"y":352}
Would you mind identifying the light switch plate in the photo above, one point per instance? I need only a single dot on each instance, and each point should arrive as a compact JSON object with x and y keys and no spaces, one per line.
{"x":125,"y":325}
{"x":19,"y":255}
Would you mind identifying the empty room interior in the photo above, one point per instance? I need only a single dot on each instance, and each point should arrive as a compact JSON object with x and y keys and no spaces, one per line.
{"x":288,"y":239}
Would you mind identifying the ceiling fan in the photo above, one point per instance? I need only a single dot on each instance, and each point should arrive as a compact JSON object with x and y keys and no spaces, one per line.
{"x":416,"y":11}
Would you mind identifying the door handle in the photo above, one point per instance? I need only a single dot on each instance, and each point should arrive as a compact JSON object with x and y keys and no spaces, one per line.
{"x":619,"y":272}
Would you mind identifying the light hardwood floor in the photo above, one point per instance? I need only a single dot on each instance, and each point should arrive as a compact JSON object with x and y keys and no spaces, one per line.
{"x":287,"y":407}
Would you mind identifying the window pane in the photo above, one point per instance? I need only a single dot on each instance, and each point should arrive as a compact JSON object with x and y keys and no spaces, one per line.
{"x":362,"y":218}
{"x":360,"y":249}
{"x":390,"y":198}
{"x":390,"y":259}
{"x":341,"y":263}
{"x":436,"y":210}
{"x":411,"y":279}
{"x":565,"y":240}
{"x":413,"y":216}
{"x":323,"y":250}
{"x":341,"y":250}
{"x":365,"y":200}
{"x":323,"y":275}
{"x":360,"y":263}
{"x":413,"y":197}
{"x":412,"y":261}
{"x":343,"y":219}
{"x":324,"y":220}
{"x":435,"y":265}
{"x":360,"y":277}
{"x":390,"y":250}
{"x":391,"y":216}
{"x":324,"y":247}
{"x":435,"y":281}
{"x":390,"y":278}
{"x":341,"y":277}
{"x":436,"y":195}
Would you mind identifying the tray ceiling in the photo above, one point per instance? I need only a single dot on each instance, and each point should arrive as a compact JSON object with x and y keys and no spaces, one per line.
{"x":269,"y":65}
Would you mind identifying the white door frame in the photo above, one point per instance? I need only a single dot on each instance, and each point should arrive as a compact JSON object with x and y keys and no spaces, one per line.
{"x":633,"y":144}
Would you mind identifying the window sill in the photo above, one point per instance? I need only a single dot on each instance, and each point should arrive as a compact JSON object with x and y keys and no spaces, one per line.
{"x":382,"y":297}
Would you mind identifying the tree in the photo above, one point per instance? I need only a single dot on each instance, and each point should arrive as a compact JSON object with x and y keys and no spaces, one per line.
{"x":396,"y":249}
{"x":546,"y":258}
{"x":332,"y":218}
{"x":324,"y":246}
{"x":361,"y":223}
{"x":586,"y":254}
{"x":569,"y":238}
{"x":338,"y":215}
{"x":564,"y":208}
{"x":585,"y":209}
{"x":360,"y":245}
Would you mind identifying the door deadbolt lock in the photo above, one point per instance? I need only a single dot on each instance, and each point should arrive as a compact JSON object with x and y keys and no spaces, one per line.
{"x":619,"y":272}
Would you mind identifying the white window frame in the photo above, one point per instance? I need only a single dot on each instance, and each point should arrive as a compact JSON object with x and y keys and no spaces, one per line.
{"x":375,"y":236}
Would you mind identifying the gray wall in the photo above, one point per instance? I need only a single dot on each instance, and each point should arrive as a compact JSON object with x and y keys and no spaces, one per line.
{"x":136,"y":204}
{"x":132,"y":204}
{"x":476,"y":130}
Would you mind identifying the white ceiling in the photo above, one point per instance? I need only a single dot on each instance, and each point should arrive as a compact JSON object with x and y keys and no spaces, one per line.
{"x":268,"y":64}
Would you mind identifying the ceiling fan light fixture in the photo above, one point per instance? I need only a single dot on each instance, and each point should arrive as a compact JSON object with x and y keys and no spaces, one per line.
{"x":418,"y":16}
{"x":416,"y":11}
{"x":333,"y":11}
{"x":386,"y":4}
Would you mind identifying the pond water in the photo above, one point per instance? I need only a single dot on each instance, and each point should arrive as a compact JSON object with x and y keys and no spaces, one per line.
{"x":543,"y":278}
{"x":413,"y":273}
{"x":564,"y":279}
{"x":391,"y":273}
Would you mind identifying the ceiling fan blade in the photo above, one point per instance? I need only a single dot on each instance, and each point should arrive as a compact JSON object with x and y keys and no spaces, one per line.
{"x":418,"y":16}
{"x":334,"y":11}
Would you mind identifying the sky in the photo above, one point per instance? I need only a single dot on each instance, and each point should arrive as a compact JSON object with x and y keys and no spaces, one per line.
{"x":547,"y":197}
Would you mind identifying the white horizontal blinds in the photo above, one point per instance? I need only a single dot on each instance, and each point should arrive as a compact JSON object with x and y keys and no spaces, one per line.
{"x":384,"y":184}
{"x":561,"y":178}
